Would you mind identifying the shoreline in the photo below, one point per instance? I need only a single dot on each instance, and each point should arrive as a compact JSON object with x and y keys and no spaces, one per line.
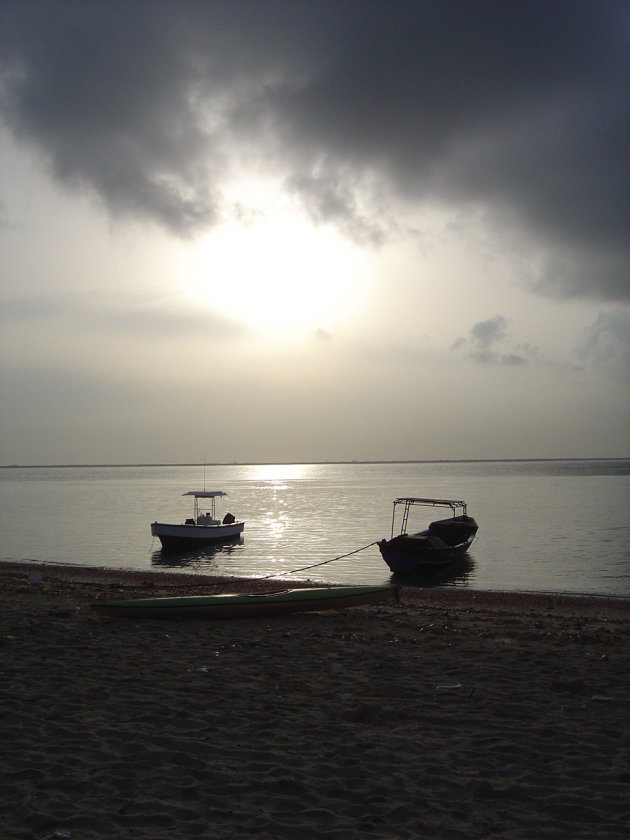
{"x":157,"y":579}
{"x":455,"y":713}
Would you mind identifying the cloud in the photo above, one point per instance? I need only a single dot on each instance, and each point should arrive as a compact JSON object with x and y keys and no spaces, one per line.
{"x":322,"y":335}
{"x":335,"y":198}
{"x":481,"y":344}
{"x":486,"y":333}
{"x":518,"y":107}
{"x":130,"y":316}
{"x":605,"y":344}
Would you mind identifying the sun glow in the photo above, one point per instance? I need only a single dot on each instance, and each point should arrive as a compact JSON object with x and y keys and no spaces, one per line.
{"x":279,"y":275}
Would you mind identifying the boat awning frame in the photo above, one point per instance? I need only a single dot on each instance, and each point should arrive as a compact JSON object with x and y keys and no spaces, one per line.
{"x":205,"y":494}
{"x":408,"y":501}
{"x":415,"y":500}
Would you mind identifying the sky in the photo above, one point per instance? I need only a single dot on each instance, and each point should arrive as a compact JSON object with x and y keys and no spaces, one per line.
{"x":310,"y":231}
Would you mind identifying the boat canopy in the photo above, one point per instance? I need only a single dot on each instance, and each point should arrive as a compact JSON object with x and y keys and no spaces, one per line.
{"x":408,"y":501}
{"x":205,"y":494}
{"x":414,"y":500}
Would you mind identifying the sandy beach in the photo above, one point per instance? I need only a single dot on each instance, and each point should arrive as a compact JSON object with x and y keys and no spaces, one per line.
{"x":453,"y":714}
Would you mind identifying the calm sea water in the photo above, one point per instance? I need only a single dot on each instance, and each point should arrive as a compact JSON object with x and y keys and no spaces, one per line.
{"x":554,"y":526}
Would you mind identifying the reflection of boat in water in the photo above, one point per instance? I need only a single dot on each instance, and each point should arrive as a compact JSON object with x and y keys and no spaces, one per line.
{"x":203,"y":529}
{"x":239,"y":605}
{"x":428,"y":552}
{"x":201,"y":557}
{"x":457,"y":573}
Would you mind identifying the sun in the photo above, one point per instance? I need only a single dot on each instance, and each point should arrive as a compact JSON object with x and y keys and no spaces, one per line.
{"x":278,"y":274}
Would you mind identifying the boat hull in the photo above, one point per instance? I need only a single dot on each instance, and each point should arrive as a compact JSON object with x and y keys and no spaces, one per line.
{"x":236,"y":605}
{"x":188,"y":537}
{"x":420,"y":554}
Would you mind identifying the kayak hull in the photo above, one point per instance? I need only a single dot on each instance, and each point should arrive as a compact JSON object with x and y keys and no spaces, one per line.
{"x":238,"y":605}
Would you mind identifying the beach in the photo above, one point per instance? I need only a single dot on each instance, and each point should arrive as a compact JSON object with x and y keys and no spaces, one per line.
{"x":452,"y":714}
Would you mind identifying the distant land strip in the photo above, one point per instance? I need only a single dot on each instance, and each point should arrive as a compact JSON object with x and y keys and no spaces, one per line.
{"x":316,"y":463}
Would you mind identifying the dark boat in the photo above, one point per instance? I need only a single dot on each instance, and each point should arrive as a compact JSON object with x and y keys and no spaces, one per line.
{"x":428,"y":552}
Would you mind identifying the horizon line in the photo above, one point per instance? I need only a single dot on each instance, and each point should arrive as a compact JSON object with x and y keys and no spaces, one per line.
{"x":314,"y":463}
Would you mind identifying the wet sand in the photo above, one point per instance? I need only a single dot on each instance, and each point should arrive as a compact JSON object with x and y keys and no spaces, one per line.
{"x":454,"y":714}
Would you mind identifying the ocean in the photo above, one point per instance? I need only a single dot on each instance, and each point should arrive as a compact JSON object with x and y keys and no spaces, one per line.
{"x":544,"y":526}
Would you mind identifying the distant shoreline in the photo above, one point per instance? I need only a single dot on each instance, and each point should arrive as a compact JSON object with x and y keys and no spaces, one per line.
{"x":320,"y":463}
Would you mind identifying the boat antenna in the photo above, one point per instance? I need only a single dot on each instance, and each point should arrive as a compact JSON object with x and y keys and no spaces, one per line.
{"x":204,"y":475}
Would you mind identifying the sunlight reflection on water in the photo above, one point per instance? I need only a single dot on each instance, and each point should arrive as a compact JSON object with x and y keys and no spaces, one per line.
{"x":543,"y":526}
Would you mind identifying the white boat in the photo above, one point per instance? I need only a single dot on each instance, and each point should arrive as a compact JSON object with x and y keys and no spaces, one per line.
{"x":202,"y":529}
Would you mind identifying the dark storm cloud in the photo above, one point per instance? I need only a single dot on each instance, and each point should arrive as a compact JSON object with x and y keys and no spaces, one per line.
{"x":519,"y":107}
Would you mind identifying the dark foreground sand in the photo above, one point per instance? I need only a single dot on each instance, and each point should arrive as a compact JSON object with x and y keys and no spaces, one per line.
{"x":453,"y":715}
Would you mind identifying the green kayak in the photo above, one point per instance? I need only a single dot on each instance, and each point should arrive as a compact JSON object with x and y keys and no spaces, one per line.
{"x":239,"y":605}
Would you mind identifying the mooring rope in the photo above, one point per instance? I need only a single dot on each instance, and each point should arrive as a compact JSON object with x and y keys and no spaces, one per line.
{"x":315,"y":565}
{"x":191,"y":583}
